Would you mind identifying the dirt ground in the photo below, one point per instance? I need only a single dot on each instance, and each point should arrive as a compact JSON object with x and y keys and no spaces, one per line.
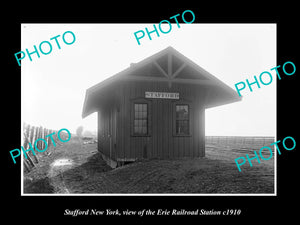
{"x":75,"y":167}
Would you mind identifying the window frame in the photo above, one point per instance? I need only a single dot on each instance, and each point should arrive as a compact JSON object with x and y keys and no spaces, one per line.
{"x":190,"y":107}
{"x":132,"y":117}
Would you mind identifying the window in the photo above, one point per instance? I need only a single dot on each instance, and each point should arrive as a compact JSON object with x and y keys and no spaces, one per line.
{"x":140,"y":122}
{"x":182,"y":120}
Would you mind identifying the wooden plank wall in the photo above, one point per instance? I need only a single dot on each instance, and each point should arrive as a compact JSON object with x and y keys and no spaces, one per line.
{"x":103,"y":130}
{"x":107,"y":123}
{"x":161,"y":143}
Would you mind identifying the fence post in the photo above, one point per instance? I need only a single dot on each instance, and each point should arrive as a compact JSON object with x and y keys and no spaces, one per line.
{"x":31,"y":134}
{"x":242,"y":142}
{"x":35,"y":138}
{"x":41,"y":143}
{"x":26,"y":166}
{"x":26,"y":131}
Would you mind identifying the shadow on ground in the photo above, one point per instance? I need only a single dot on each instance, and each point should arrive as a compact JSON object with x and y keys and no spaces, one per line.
{"x":40,"y":186}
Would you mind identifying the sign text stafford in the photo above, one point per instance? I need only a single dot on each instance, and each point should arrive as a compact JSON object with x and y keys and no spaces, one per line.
{"x":165,"y":95}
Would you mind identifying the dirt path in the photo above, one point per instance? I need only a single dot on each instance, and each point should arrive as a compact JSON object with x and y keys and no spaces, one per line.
{"x":48,"y":175}
{"x":56,"y":174}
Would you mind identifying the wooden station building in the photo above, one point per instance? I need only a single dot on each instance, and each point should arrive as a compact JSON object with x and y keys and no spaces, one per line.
{"x":155,"y":108}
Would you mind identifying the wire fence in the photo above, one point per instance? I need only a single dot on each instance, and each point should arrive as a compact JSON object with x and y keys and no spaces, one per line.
{"x":243,"y":142}
{"x":30,"y":135}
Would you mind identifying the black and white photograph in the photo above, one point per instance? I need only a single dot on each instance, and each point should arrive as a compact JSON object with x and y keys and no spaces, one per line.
{"x":170,"y":115}
{"x":162,"y":117}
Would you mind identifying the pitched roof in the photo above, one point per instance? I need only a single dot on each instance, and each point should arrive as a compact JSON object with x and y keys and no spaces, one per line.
{"x":167,"y":65}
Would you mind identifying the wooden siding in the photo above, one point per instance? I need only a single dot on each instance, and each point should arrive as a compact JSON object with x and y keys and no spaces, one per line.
{"x":161,"y":142}
{"x":108,"y":116}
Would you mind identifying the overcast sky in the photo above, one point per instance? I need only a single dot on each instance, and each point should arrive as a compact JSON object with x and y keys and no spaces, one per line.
{"x":54,"y":85}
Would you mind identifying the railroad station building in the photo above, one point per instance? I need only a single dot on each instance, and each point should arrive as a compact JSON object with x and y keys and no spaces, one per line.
{"x":155,"y":108}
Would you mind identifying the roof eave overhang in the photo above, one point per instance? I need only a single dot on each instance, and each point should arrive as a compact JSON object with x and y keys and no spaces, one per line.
{"x":218,"y":92}
{"x":225,"y":95}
